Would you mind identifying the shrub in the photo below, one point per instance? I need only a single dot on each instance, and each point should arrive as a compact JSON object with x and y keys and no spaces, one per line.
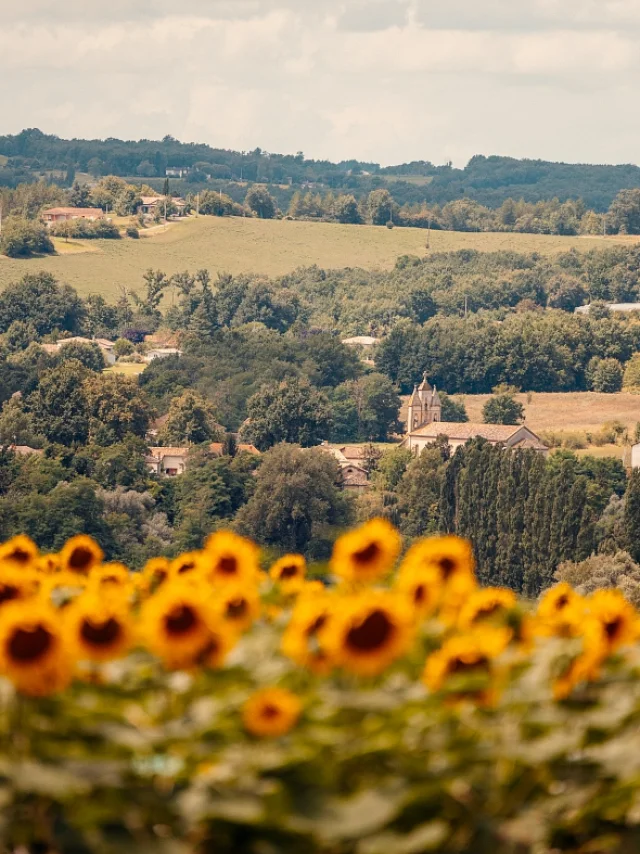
{"x":133,"y":232}
{"x":22,"y":238}
{"x":194,"y":705}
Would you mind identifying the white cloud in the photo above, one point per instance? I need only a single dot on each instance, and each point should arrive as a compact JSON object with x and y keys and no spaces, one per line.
{"x":386,"y":80}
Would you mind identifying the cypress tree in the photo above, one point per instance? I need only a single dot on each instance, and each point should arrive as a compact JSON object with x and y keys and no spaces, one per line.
{"x":632,"y":515}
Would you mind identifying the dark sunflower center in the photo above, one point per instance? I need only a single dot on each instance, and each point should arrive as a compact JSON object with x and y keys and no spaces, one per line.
{"x":612,"y":628}
{"x":269,"y":712}
{"x":419,"y":594}
{"x":368,"y":554}
{"x":237,"y":608}
{"x":8,"y":592}
{"x":181,"y":620}
{"x":562,"y":602}
{"x":28,"y":645}
{"x":289,"y":571}
{"x":447,"y":565}
{"x":228,"y":565}
{"x":81,"y":558}
{"x":101,"y":634}
{"x":316,"y":625}
{"x":19,"y":555}
{"x":187,"y":566}
{"x":488,"y":610}
{"x":372,"y":633}
{"x":208,"y":650}
{"x":460,"y":666}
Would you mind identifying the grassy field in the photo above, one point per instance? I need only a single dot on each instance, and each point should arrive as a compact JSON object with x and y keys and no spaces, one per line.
{"x":127,"y":369}
{"x":581,"y":410}
{"x":239,"y":245}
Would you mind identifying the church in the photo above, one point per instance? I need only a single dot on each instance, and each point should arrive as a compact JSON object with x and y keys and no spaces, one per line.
{"x":425,"y":425}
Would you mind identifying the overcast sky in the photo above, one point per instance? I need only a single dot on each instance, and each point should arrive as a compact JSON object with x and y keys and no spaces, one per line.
{"x":381,"y":80}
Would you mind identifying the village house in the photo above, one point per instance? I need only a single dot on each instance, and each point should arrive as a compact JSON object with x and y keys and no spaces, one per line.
{"x":106,"y":346}
{"x":161,"y":353}
{"x":635,"y":456}
{"x":172,"y":461}
{"x":354,"y":475}
{"x":425,"y":425}
{"x":52,"y":216}
{"x":153,"y":205}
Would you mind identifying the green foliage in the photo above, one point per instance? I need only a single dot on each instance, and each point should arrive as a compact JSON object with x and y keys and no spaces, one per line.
{"x":632,"y":515}
{"x":39,"y":299}
{"x":292,"y":411}
{"x":503,"y":408}
{"x":452,"y":410}
{"x":191,"y":420}
{"x":365,"y":410}
{"x":607,"y":375}
{"x":261,"y":202}
{"x":21,"y":238}
{"x":88,"y":354}
{"x":603,"y":572}
{"x":631,"y":379}
{"x":297,"y":501}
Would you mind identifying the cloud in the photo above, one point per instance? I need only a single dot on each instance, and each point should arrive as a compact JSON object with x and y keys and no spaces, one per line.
{"x":384,"y":80}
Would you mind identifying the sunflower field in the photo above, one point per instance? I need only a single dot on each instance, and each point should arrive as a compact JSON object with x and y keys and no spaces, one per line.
{"x":212,"y":704}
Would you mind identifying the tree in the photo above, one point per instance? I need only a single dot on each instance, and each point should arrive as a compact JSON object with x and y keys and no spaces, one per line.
{"x":117,"y":407}
{"x":381,"y":207}
{"x":291,"y":411}
{"x":89,"y":354}
{"x":419,"y":493}
{"x":566,"y":293}
{"x":79,"y":196}
{"x":16,"y":425}
{"x":503,"y":408}
{"x":603,"y":572}
{"x":631,"y":380}
{"x":607,"y":376}
{"x":370,"y":404}
{"x":191,"y":420}
{"x":123,"y":347}
{"x":452,"y":410}
{"x":261,"y":202}
{"x":346,"y":210}
{"x":297,"y":501}
{"x":624,"y":213}
{"x":23,"y":238}
{"x":632,"y":515}
{"x":59,"y":404}
{"x":40,"y":300}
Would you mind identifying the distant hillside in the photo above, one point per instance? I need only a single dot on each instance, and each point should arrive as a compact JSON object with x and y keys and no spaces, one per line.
{"x":31,"y":154}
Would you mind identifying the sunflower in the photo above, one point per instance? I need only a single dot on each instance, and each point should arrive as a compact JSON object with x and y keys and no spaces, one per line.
{"x":112,"y":578}
{"x":184,"y":563}
{"x":239,"y":605}
{"x":33,"y":652}
{"x":155,"y":572}
{"x":368,"y":631}
{"x":228,"y":558}
{"x":220,"y":642}
{"x":271,"y":712}
{"x":464,"y":665}
{"x":48,"y":564}
{"x":367,"y":553}
{"x":17,"y":584}
{"x":62,"y":588}
{"x":98,"y":629}
{"x":561,"y":612}
{"x":486,"y":604}
{"x":584,"y":668}
{"x":289,"y":572}
{"x":176,"y":623}
{"x":421,"y":586}
{"x":80,"y":554}
{"x":613,"y":618}
{"x":300,"y":640}
{"x":19,"y":551}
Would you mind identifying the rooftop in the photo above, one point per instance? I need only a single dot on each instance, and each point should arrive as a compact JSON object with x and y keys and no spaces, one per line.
{"x":468,"y":430}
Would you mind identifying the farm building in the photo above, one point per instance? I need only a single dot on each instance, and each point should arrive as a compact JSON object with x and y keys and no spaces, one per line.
{"x":635,"y":456}
{"x":56,"y":215}
{"x":614,"y":306}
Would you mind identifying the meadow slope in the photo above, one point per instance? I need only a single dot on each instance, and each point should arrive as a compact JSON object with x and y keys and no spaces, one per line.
{"x":275,"y":247}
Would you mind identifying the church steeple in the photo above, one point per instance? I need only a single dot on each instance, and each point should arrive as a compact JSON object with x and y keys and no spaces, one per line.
{"x":424,"y":390}
{"x":415,"y":416}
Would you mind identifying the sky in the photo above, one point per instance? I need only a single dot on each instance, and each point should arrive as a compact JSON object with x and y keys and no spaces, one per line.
{"x":387,"y":81}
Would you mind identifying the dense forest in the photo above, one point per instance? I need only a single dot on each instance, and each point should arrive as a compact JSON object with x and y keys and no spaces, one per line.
{"x":487,"y":180}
